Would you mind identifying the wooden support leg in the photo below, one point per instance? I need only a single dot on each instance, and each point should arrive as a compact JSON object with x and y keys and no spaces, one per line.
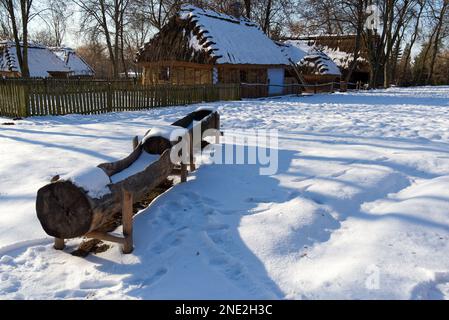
{"x":127,"y":219}
{"x":217,"y":136}
{"x":59,"y":244}
{"x":192,"y":157}
{"x":183,"y":172}
{"x":218,"y":133}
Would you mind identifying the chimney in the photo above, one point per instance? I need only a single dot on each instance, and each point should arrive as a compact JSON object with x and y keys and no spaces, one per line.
{"x":236,"y":9}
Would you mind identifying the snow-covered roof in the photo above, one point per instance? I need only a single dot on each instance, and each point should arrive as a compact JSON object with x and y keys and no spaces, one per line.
{"x":77,"y":65}
{"x":341,"y":58}
{"x":232,"y":40}
{"x":303,"y":55}
{"x":335,"y":47}
{"x":41,"y":61}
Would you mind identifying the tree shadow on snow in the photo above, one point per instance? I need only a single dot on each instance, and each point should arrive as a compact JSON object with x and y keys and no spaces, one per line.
{"x":188,"y":244}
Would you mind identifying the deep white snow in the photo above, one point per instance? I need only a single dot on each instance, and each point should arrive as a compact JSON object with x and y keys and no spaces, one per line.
{"x":359,"y":207}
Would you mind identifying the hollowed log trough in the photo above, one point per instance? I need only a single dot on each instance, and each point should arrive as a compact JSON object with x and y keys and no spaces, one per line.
{"x":66,"y":211}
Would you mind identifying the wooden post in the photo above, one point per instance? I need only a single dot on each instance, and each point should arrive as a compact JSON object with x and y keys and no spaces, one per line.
{"x":218,"y":132}
{"x":109,"y":97}
{"x":23,"y":108}
{"x":183,"y":172}
{"x":59,"y":244}
{"x":315,"y":87}
{"x":127,"y":219}
{"x":191,"y":155}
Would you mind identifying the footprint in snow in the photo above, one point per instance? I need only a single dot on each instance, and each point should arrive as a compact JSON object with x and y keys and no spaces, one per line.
{"x":158,"y":275}
{"x":97,"y":284}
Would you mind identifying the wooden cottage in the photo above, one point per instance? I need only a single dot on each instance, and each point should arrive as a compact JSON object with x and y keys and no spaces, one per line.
{"x":42,"y":62}
{"x":78,"y":67}
{"x":200,"y":46}
{"x":315,"y":66}
{"x":340,"y":48}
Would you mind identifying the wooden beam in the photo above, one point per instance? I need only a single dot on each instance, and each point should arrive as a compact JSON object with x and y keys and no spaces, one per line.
{"x":105,"y":237}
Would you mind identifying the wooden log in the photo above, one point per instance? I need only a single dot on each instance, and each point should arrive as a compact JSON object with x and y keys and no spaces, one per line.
{"x":135,"y":142}
{"x":209,"y":120}
{"x":118,"y":166}
{"x":105,"y":237}
{"x":156,"y":145}
{"x":66,"y":211}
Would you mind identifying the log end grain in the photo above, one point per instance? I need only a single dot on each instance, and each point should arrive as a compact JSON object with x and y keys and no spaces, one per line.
{"x":63,"y":210}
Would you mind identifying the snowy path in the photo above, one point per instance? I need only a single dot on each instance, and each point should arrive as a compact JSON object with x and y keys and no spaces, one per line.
{"x":359,"y":207}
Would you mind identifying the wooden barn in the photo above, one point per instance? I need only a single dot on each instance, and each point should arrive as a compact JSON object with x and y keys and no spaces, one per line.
{"x":206,"y":47}
{"x":340,"y":48}
{"x":42,"y":62}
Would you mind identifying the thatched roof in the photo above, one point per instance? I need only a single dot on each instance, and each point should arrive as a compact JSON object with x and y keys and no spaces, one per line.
{"x":340,"y":48}
{"x":41,"y":61}
{"x":206,"y":36}
{"x":77,"y":65}
{"x":309,"y":59}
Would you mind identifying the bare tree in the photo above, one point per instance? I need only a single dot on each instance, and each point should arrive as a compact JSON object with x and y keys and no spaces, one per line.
{"x":421,"y":4}
{"x":19,"y":14}
{"x":157,"y":12}
{"x":440,"y":15}
{"x":5,"y":27}
{"x":57,"y":15}
{"x":108,"y":18}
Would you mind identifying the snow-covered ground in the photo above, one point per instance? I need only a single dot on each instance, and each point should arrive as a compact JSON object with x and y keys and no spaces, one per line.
{"x":359,"y":207}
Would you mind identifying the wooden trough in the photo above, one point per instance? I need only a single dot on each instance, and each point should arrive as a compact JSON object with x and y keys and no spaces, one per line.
{"x":66,"y":210}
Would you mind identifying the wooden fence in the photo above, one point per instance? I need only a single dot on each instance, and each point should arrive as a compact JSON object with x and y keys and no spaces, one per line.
{"x":23,"y":98}
{"x":255,"y":90}
{"x":33,"y":97}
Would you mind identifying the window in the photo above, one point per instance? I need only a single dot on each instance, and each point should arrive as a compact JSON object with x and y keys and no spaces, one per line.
{"x":243,"y":76}
{"x":164,"y":73}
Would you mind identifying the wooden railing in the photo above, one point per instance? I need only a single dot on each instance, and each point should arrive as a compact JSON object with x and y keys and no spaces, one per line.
{"x":23,"y":98}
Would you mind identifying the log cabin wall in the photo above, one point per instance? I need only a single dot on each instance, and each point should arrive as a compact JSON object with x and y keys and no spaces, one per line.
{"x":9,"y":74}
{"x":242,"y":74}
{"x":184,"y":73}
{"x":177,"y":73}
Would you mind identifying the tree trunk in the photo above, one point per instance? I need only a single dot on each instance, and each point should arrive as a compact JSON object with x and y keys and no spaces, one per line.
{"x":248,"y":8}
{"x":266,"y":24}
{"x":436,"y":42}
{"x":414,"y":38}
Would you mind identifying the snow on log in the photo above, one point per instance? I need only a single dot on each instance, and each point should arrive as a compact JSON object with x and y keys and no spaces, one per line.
{"x":67,"y":210}
{"x":88,"y":200}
